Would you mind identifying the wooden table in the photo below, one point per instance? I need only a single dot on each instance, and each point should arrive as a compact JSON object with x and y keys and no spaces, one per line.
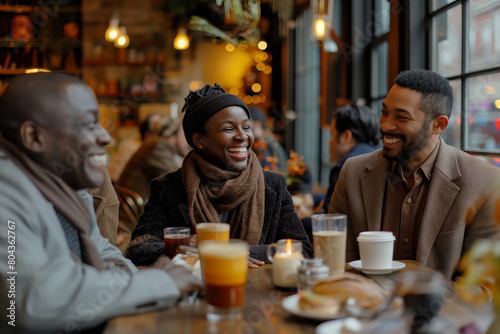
{"x":262,"y":312}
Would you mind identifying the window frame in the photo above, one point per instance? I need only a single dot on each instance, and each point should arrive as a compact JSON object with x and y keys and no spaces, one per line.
{"x":465,"y":73}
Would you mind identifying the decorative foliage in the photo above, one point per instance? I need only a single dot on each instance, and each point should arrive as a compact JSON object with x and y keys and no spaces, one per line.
{"x":481,"y":266}
{"x":296,"y":167}
{"x":240,"y":21}
{"x":200,"y":24}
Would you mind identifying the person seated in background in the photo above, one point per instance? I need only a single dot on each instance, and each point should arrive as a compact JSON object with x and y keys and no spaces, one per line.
{"x":436,"y":199}
{"x":158,"y":154}
{"x":106,"y":207}
{"x":354,"y":131}
{"x":150,"y":127}
{"x":51,"y":149}
{"x":272,"y":156}
{"x":265,"y":145}
{"x":221,"y":180}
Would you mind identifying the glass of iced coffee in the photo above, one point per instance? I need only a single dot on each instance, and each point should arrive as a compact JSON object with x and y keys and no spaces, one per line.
{"x":224,"y":269}
{"x":329,"y":240}
{"x":212,"y":231}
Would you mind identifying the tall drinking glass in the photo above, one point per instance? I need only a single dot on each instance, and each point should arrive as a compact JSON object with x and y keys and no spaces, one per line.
{"x":224,"y":269}
{"x":174,"y":237}
{"x":329,"y":240}
{"x":212,"y":231}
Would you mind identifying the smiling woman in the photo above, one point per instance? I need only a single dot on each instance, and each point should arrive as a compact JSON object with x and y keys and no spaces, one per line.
{"x":220,"y":181}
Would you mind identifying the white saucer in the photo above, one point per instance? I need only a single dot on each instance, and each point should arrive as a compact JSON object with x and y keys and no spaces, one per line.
{"x":335,"y":326}
{"x":395,"y":266}
{"x":291,"y":304}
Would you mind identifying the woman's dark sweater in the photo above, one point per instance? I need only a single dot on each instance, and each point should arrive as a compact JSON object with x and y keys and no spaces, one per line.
{"x":167,"y":207}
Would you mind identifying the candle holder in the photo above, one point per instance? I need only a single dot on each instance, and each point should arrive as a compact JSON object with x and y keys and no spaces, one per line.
{"x":286,"y":260}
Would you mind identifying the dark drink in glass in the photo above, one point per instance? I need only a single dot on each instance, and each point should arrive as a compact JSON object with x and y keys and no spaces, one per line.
{"x":172,"y":242}
{"x":173,"y":237}
{"x":423,"y":306}
{"x":422,"y":292}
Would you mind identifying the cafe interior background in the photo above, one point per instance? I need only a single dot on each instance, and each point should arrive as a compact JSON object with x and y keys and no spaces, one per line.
{"x":297,"y":60}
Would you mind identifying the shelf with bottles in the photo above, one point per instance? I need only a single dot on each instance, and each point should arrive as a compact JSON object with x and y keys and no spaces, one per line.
{"x":15,"y":8}
{"x":17,"y":60}
{"x":30,"y":6}
{"x":9,"y":43}
{"x":106,"y":62}
{"x":17,"y":71}
{"x":128,"y":94}
{"x":35,"y":34}
{"x":138,"y":88}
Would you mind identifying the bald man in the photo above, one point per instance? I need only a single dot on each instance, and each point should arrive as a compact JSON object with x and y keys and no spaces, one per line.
{"x":66,"y":276}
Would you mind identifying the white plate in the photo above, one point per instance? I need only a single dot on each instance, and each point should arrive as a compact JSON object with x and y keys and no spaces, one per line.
{"x":291,"y":304}
{"x":334,"y":326}
{"x":395,"y":267}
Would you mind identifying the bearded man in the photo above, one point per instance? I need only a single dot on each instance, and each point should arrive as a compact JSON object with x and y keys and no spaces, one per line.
{"x":436,"y":199}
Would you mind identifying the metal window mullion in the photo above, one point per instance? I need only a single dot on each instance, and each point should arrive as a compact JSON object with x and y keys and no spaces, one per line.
{"x":444,"y":8}
{"x":464,"y":133}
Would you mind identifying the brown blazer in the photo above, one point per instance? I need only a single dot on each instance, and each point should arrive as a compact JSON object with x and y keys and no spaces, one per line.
{"x":106,"y":206}
{"x":459,"y":209}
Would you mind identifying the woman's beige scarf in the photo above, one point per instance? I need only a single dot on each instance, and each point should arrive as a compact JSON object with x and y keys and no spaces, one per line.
{"x":212,"y":191}
{"x":64,"y":199}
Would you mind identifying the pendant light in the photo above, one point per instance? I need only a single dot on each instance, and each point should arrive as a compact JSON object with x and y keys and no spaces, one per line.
{"x":181,"y":41}
{"x":122,"y":41}
{"x":113,"y":29}
{"x":322,"y":13}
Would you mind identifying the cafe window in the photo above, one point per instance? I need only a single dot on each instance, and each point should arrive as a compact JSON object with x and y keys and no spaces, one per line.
{"x":307,"y":88}
{"x":379,"y":54}
{"x":465,"y":48}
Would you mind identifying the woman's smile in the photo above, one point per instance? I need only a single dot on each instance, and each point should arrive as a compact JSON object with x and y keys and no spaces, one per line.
{"x":227,"y":139}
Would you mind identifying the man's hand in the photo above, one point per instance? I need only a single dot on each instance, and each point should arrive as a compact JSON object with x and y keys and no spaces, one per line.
{"x":182,"y":277}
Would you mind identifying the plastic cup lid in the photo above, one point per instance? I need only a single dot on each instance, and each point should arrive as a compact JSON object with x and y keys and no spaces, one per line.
{"x":376,"y":236}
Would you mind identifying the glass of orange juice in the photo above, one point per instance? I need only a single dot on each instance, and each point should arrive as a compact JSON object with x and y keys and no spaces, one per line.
{"x":212,"y":231}
{"x":224,"y":269}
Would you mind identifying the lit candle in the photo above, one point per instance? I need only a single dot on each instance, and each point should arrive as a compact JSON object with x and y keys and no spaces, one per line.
{"x":286,"y":261}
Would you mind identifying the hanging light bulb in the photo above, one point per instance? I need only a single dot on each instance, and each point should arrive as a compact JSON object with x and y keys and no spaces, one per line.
{"x":122,"y":41}
{"x":181,"y":41}
{"x":113,"y":30}
{"x":322,"y":13}
{"x":320,"y":27}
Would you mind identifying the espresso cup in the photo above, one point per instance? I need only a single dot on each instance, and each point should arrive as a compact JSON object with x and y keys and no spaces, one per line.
{"x":376,"y":249}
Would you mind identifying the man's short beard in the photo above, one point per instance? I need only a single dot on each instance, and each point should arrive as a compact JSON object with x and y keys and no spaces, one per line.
{"x":413,"y":145}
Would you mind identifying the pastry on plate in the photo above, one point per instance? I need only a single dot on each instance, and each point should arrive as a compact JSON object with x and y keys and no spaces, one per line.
{"x":337,"y":288}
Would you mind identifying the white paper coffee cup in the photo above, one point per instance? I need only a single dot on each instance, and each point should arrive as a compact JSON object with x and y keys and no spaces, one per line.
{"x":376,"y":249}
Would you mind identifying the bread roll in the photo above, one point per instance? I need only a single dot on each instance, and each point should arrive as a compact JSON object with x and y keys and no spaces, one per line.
{"x":337,"y":288}
{"x":310,"y":301}
{"x":343,"y":286}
